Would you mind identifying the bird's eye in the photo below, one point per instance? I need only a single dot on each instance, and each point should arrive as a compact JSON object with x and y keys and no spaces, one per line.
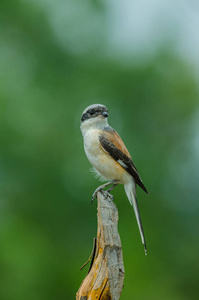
{"x":92,"y":112}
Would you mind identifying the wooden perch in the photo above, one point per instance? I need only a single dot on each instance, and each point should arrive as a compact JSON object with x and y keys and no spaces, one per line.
{"x":105,"y":278}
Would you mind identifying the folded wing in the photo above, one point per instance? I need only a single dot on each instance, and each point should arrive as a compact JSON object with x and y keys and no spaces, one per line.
{"x":112,"y":143}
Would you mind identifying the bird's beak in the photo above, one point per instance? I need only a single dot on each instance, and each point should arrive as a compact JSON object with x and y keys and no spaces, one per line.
{"x":105,"y":114}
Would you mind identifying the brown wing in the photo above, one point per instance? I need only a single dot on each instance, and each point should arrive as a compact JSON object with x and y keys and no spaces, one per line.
{"x":112,"y":143}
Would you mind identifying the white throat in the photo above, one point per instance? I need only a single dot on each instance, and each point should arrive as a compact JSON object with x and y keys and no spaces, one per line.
{"x":93,"y":123}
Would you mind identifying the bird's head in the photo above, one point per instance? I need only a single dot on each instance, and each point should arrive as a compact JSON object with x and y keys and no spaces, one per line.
{"x":94,"y":116}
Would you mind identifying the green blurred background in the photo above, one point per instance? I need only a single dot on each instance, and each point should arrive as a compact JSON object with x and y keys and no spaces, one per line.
{"x":56,"y":58}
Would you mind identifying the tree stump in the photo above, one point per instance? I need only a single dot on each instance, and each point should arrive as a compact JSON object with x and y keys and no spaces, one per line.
{"x":106,"y":275}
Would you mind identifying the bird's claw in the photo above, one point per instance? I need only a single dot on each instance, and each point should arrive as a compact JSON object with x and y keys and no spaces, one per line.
{"x":95,"y":195}
{"x":111,"y":196}
{"x":108,"y":195}
{"x":93,"y":198}
{"x":105,"y":193}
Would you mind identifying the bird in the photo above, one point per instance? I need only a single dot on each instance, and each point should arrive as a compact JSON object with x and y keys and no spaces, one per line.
{"x":110,"y":158}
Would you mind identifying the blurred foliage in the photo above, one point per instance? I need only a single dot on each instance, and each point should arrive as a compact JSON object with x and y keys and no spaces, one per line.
{"x":47,"y":222}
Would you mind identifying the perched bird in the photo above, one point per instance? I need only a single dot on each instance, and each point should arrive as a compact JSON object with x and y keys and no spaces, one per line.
{"x":109,"y":157}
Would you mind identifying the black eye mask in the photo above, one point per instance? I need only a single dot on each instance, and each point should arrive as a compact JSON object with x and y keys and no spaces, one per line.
{"x":94,"y":112}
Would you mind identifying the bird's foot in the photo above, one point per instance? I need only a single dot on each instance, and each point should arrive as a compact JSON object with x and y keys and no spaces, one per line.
{"x":101,"y":189}
{"x":109,"y":196}
{"x":95,"y":194}
{"x":106,"y":195}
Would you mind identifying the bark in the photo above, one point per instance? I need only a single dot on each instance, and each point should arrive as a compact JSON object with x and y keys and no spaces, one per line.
{"x":106,"y":274}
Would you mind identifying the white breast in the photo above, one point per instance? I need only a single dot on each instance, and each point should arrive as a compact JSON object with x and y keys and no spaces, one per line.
{"x":92,"y":146}
{"x":101,"y":160}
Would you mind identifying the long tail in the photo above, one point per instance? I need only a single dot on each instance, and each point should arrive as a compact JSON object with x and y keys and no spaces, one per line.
{"x":130,"y":190}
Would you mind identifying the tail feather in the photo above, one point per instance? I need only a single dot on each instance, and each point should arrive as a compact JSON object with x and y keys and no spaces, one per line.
{"x":130,"y":190}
